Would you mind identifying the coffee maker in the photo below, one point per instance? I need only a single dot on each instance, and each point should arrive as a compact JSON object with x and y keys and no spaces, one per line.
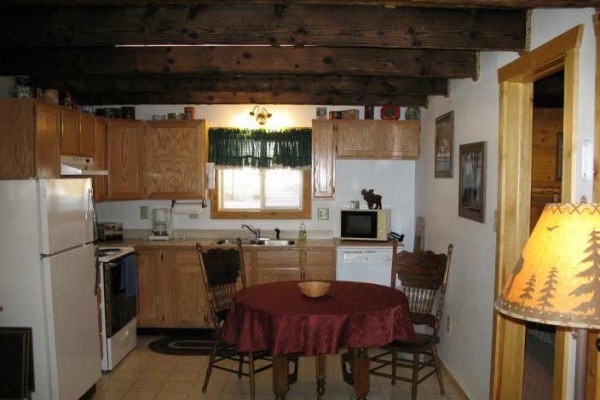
{"x":162,"y":220}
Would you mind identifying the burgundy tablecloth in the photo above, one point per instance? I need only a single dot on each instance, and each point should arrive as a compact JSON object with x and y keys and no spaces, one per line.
{"x":278,"y":318}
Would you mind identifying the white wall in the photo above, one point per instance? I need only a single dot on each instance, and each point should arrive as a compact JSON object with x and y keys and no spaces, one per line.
{"x":394,"y":180}
{"x":467,"y":350}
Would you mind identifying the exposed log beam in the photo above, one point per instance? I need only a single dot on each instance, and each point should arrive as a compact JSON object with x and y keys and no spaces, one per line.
{"x":250,"y":83}
{"x":517,"y":4}
{"x":193,"y":97}
{"x":244,"y":24}
{"x":239,"y":60}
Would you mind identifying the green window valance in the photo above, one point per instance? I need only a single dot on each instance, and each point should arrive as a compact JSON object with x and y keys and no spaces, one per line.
{"x":259,"y":148}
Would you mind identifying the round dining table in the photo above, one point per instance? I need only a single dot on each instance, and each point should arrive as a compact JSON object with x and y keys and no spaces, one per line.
{"x":278,"y":318}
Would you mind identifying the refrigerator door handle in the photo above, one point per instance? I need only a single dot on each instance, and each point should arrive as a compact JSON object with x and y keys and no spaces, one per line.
{"x":92,"y":203}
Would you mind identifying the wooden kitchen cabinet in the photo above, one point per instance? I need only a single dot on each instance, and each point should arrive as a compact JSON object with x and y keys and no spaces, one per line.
{"x":125,"y":150}
{"x":399,"y":139}
{"x":173,"y":164}
{"x":273,"y":265}
{"x":100,"y":181}
{"x":376,"y":139}
{"x":323,"y":159}
{"x":87,"y":130}
{"x":69,"y":134}
{"x":154,"y":294}
{"x":30,"y":139}
{"x":276,"y":265}
{"x":190,"y":300}
{"x":356,"y":138}
{"x":319,"y":264}
{"x":171,"y":290}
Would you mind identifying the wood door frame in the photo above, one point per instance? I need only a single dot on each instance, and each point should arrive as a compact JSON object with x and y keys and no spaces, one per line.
{"x":516,"y":81}
{"x":593,"y":360}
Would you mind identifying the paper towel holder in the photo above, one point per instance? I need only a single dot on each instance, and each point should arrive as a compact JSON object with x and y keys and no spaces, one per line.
{"x":202,"y":202}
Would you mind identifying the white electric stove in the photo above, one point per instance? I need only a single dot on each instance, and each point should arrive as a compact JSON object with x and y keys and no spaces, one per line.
{"x":118,"y":309}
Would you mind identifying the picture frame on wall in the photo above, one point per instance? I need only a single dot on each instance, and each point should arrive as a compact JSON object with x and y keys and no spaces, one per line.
{"x":471,"y":202}
{"x":444,"y":143}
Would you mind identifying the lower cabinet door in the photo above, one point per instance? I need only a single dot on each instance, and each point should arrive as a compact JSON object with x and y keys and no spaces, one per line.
{"x":154,"y":296}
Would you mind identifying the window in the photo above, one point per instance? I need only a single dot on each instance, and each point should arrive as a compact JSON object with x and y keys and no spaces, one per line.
{"x":261,"y":175}
{"x":261,"y":193}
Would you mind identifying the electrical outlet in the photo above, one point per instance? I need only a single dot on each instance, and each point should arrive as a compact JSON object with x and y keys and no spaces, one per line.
{"x":323,"y":213}
{"x":143,"y":212}
{"x":448,"y":324}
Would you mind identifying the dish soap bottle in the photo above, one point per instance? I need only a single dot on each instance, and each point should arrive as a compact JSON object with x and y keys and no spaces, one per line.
{"x":302,"y":232}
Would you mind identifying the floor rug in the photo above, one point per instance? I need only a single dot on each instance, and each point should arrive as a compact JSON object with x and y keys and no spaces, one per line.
{"x":182,"y":345}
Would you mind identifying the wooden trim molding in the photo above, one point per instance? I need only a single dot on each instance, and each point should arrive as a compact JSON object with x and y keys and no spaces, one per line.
{"x":305,"y":213}
{"x":593,"y":361}
{"x":544,"y":60}
{"x":516,"y":91}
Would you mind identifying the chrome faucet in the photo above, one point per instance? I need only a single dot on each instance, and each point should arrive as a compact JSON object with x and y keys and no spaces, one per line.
{"x":252,"y":229}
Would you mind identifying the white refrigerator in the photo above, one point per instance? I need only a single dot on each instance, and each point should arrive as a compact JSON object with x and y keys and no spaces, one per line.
{"x":48,"y":280}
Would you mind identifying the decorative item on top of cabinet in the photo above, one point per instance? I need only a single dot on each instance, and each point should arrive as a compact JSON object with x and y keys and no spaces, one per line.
{"x":373,"y":200}
{"x":30,"y":136}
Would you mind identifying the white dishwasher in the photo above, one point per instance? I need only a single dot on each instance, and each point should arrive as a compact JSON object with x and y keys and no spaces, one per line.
{"x":371,"y":264}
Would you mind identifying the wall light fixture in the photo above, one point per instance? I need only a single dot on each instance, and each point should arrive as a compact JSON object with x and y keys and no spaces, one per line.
{"x":261,"y":114}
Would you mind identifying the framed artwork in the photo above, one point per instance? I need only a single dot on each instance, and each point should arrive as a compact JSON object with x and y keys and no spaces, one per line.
{"x":444,"y":142}
{"x":471,"y":202}
{"x":321,"y":112}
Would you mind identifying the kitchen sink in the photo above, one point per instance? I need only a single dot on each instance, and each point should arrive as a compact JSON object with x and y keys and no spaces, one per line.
{"x":259,"y":242}
{"x":273,"y":242}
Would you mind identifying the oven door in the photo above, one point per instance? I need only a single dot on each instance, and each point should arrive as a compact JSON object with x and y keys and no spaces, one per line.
{"x":119,"y":308}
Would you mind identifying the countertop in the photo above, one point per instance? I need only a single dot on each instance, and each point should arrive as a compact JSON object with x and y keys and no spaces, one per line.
{"x":143,"y":243}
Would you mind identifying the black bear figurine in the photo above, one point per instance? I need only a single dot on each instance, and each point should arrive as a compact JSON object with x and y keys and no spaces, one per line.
{"x":373,"y":200}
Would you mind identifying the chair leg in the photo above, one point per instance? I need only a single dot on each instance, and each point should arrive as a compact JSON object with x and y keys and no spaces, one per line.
{"x":394,"y":365}
{"x":438,"y":372}
{"x":209,"y":368}
{"x":251,"y":374}
{"x":415,"y":376}
{"x":241,"y":365}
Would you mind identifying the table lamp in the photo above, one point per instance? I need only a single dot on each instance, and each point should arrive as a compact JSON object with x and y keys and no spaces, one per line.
{"x":557,"y":279}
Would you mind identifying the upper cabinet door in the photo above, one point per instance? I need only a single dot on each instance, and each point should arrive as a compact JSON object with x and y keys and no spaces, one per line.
{"x":86,"y":135}
{"x":356,"y":139}
{"x":174,"y":159}
{"x":47,"y":141}
{"x":69,"y":135}
{"x":323,"y":159}
{"x":399,"y":139}
{"x":124,"y":150}
{"x":100,"y":181}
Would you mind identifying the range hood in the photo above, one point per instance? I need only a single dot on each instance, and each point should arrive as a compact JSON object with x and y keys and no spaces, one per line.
{"x":78,"y":166}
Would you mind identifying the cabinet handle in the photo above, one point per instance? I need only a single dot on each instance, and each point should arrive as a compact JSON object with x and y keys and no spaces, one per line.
{"x":161,"y":256}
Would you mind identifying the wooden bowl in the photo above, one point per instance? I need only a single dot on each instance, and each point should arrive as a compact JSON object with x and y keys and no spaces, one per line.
{"x":314,"y":288}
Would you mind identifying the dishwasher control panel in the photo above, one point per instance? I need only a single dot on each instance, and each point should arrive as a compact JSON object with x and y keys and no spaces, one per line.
{"x":365,"y":256}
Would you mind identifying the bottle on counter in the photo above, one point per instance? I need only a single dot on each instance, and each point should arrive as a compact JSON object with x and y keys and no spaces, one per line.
{"x":302,"y":232}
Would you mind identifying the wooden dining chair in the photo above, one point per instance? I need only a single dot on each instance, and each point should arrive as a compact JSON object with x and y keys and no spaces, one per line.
{"x":223,"y":271}
{"x":423,"y":277}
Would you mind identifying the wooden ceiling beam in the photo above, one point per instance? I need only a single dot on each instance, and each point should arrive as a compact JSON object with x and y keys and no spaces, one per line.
{"x":444,"y":64}
{"x":245,"y":24}
{"x":514,"y":4}
{"x":197,"y":97}
{"x":250,"y":83}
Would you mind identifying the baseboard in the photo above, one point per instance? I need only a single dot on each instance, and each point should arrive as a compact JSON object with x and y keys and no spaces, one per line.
{"x":448,"y":373}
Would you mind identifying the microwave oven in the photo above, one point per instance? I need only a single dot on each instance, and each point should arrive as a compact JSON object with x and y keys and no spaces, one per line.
{"x":365,"y":224}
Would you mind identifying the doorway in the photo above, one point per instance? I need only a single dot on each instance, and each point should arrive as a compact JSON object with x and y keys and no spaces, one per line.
{"x":546,"y":176}
{"x":517,"y":81}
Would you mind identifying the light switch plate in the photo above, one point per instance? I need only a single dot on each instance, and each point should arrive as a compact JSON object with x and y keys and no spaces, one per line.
{"x":323,"y":213}
{"x":143,"y":212}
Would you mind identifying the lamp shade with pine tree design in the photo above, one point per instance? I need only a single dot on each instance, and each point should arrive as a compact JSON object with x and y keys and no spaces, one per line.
{"x":557,"y":279}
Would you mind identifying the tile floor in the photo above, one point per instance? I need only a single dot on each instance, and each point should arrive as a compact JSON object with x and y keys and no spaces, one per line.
{"x":146,"y":375}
